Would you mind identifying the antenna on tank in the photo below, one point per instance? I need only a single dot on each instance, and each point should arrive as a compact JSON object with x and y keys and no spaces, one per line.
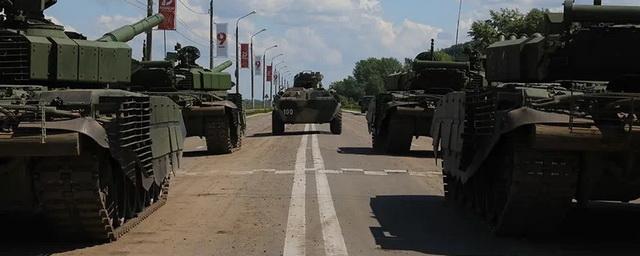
{"x":433,"y":55}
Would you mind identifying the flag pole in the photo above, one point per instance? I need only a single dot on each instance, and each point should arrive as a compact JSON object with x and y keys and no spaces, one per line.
{"x":211,"y":22}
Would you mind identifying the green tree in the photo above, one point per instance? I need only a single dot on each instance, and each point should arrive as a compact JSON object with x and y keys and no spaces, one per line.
{"x":348,"y":89}
{"x":370,"y":73}
{"x":443,"y":56}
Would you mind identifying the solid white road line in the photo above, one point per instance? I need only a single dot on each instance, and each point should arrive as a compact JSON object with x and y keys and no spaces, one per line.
{"x":295,"y":236}
{"x":331,"y":232}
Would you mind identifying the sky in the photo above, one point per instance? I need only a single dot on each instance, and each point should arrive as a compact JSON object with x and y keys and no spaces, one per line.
{"x":328,"y":36}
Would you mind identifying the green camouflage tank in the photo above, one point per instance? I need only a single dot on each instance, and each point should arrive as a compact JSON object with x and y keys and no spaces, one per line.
{"x":306,"y":103}
{"x":209,"y":111}
{"x":91,"y":158}
{"x":559,"y":122}
{"x":405,"y":109}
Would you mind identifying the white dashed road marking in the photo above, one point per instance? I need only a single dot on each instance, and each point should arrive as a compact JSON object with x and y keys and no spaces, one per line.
{"x":352,"y":170}
{"x":377,"y":173}
{"x":396,"y":171}
{"x":331,"y":172}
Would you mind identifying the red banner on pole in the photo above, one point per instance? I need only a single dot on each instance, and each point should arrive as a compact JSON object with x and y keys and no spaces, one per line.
{"x":244,"y":55}
{"x":168,"y":9}
{"x":269,"y":73}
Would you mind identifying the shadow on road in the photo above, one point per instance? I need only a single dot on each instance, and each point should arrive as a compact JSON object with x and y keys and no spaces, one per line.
{"x":31,"y":236}
{"x":430,"y":225}
{"x":268,"y":134}
{"x":369,"y":151}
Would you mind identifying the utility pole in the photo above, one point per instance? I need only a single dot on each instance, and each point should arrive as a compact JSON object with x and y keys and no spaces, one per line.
{"x":211,"y":45}
{"x":147,"y":50}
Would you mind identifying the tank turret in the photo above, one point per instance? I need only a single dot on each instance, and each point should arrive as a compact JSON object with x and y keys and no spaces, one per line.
{"x":586,"y":42}
{"x":38,"y":51}
{"x":181,"y":72}
{"x":197,"y":77}
{"x":308,"y":80}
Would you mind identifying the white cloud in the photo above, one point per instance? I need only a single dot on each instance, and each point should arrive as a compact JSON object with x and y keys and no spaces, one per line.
{"x":328,"y":35}
{"x":57,"y":21}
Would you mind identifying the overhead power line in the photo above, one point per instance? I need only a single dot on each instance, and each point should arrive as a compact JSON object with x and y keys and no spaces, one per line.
{"x":189,"y":39}
{"x":135,"y":4}
{"x":192,"y":10}
{"x":190,"y":29}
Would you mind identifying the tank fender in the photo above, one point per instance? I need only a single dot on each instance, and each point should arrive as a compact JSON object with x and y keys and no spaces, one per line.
{"x":389,"y":108}
{"x":87,"y":126}
{"x":448,"y":127}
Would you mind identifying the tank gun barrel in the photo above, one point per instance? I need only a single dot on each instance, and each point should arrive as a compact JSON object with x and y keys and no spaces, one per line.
{"x":223,"y":66}
{"x":601,"y":13}
{"x":128,"y":32}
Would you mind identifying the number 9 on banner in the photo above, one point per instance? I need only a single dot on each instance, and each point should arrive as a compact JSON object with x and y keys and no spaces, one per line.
{"x":223,"y":40}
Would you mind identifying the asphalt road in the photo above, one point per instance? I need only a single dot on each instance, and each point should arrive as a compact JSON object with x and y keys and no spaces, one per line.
{"x":309,"y":192}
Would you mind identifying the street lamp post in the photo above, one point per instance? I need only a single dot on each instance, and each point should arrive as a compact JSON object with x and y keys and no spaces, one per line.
{"x":273,"y":71}
{"x":238,"y":51}
{"x":284,"y":78}
{"x":264,"y":74}
{"x":275,"y":67}
{"x":285,"y":82}
{"x":253,"y":98}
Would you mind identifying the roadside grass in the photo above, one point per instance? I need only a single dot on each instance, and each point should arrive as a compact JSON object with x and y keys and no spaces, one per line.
{"x":251,"y":112}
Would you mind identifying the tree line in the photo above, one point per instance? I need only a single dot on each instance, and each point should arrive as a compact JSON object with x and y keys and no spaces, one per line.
{"x":368,"y":74}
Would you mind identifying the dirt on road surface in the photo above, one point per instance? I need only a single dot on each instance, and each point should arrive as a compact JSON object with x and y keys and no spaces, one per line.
{"x":309,"y":192}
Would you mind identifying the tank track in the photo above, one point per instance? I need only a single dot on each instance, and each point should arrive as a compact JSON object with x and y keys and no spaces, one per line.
{"x":525,"y":192}
{"x":75,"y":206}
{"x":220,"y":138}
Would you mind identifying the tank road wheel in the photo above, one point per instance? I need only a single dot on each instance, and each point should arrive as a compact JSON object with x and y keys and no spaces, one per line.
{"x":82,"y":197}
{"x":526,"y":191}
{"x":219,"y":139}
{"x":400,"y":135}
{"x":336,"y":124}
{"x":277,"y":125}
{"x":237,"y":134}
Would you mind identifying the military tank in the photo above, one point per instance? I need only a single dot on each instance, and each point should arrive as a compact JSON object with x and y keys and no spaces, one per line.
{"x":92,"y":159}
{"x":558,"y":122}
{"x":405,"y":109}
{"x":306,"y":102}
{"x":208,"y":110}
{"x":364,"y":103}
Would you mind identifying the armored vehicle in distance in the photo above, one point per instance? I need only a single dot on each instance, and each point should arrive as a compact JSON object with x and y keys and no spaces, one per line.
{"x":405,"y":110}
{"x":307,"y":102}
{"x":364,"y":103}
{"x":208,"y":110}
{"x":92,"y":159}
{"x":544,"y":132}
